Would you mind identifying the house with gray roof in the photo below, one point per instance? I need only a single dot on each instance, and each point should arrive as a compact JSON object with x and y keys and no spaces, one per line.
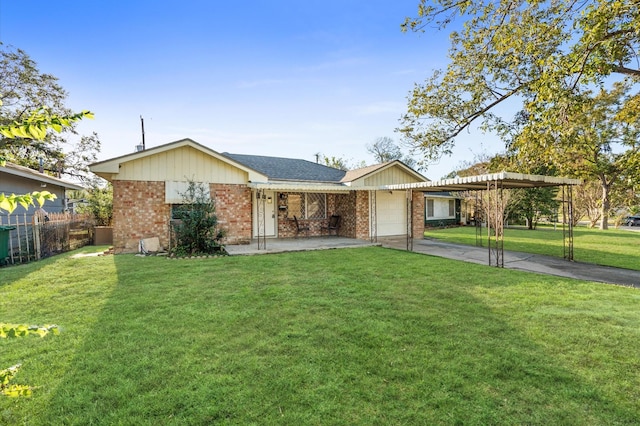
{"x":257,"y":196}
{"x":15,"y":179}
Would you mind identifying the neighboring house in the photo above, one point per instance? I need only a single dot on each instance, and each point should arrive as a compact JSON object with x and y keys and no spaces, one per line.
{"x":74,"y":205}
{"x":16,"y":179}
{"x":256,"y":195}
{"x":442,"y":209}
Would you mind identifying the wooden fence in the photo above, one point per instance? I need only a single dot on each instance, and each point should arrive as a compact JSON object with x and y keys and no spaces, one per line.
{"x":40,"y":236}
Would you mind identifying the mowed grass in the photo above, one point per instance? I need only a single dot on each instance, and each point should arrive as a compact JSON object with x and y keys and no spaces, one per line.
{"x":350,"y":336}
{"x":613,"y":247}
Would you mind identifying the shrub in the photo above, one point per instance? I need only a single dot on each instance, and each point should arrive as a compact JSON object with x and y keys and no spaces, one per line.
{"x":197,"y":230}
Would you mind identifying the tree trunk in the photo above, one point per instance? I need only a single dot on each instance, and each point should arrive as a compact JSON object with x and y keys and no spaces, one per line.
{"x":606,"y":204}
{"x":530,"y":223}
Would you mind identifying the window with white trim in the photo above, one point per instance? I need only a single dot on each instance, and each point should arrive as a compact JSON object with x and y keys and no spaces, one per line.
{"x":452,"y":208}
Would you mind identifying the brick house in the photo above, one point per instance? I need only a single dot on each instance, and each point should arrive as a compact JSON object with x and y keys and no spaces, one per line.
{"x":257,"y":195}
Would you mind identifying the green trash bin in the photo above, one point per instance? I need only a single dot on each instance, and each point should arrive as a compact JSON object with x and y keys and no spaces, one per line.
{"x":5,"y":233}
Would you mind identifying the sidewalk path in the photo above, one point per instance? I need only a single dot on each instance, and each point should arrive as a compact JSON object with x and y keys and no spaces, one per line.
{"x":521,"y":261}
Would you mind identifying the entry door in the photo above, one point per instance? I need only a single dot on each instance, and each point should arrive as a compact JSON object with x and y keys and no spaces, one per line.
{"x":269,"y":214}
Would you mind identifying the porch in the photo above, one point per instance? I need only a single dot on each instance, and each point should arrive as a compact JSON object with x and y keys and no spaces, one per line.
{"x":283,"y":245}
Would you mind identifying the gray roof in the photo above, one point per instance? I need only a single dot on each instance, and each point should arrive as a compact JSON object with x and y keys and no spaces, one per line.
{"x":27,"y":173}
{"x":289,"y":169}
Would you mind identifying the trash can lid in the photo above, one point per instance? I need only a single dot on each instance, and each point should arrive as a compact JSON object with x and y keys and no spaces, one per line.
{"x":7,"y":228}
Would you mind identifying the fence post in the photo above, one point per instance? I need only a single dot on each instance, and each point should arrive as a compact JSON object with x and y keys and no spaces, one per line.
{"x":36,"y":235}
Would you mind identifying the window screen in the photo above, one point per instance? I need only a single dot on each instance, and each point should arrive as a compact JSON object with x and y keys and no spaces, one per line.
{"x":294,"y":206}
{"x":307,"y":206}
{"x":316,"y":206}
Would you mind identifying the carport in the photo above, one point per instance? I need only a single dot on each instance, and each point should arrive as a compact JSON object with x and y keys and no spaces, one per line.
{"x":495,"y":184}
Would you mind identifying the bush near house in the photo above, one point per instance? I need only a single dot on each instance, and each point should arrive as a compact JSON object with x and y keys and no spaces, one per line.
{"x":197,"y":230}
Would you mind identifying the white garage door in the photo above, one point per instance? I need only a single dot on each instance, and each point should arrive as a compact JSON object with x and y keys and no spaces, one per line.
{"x":391,"y":213}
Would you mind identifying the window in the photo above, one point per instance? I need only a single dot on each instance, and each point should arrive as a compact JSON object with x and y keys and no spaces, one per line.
{"x":452,"y":208}
{"x":176,"y":211}
{"x":294,"y":206}
{"x":430,"y":208}
{"x":307,"y":206}
{"x":316,"y":206}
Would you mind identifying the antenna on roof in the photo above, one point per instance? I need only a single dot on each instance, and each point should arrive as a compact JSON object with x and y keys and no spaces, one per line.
{"x":142,"y":124}
{"x":141,"y":147}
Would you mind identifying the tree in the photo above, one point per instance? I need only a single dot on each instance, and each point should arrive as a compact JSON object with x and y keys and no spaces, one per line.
{"x":587,"y":202}
{"x":198,"y":231}
{"x":32,"y":102}
{"x":340,"y":163}
{"x":336,"y":162}
{"x":538,"y":53}
{"x":99,"y":204}
{"x":532,"y":204}
{"x":36,"y":125}
{"x":384,"y":149}
{"x":596,"y":143}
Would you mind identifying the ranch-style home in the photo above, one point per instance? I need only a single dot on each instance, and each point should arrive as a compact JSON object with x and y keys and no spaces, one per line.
{"x":258,"y":196}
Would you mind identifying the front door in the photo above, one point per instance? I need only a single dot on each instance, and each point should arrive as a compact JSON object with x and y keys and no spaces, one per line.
{"x":267,"y":219}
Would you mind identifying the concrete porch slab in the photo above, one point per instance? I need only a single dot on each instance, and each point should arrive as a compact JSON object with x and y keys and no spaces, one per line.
{"x":283,"y":245}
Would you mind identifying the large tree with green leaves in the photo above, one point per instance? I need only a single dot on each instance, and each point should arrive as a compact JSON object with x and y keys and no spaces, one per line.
{"x":534,"y":52}
{"x":596,"y":142}
{"x":31,"y":103}
{"x":542,"y":59}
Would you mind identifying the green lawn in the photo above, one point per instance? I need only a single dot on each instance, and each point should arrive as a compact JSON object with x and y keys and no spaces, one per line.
{"x":350,"y":336}
{"x":614,"y":247}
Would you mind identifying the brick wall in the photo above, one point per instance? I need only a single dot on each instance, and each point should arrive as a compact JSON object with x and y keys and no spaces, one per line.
{"x":362,"y":215}
{"x":233,"y":208}
{"x":139,"y":211}
{"x":418,"y":214}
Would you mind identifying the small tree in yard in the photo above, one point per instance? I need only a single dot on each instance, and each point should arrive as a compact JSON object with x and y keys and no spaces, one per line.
{"x":100,"y":204}
{"x":532,"y":204}
{"x":198,"y":231}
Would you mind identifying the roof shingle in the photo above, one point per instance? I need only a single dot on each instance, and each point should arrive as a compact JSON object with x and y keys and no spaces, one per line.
{"x":289,"y":169}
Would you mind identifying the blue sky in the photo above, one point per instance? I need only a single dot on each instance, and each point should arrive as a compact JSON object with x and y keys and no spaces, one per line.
{"x":282,"y":78}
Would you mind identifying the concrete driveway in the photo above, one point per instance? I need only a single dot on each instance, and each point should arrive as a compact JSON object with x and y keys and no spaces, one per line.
{"x":512,"y":260}
{"x":520,"y":261}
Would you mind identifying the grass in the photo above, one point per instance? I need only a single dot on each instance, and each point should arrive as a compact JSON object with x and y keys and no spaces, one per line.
{"x":614,"y":247}
{"x":350,"y":336}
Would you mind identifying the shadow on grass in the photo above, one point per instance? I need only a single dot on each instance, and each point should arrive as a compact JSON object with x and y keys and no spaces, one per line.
{"x":355,"y":336}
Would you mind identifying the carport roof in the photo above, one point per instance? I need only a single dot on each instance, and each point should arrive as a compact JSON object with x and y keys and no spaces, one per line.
{"x":508,"y":180}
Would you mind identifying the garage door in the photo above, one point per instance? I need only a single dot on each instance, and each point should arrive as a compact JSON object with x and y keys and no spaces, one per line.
{"x":391,"y":213}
